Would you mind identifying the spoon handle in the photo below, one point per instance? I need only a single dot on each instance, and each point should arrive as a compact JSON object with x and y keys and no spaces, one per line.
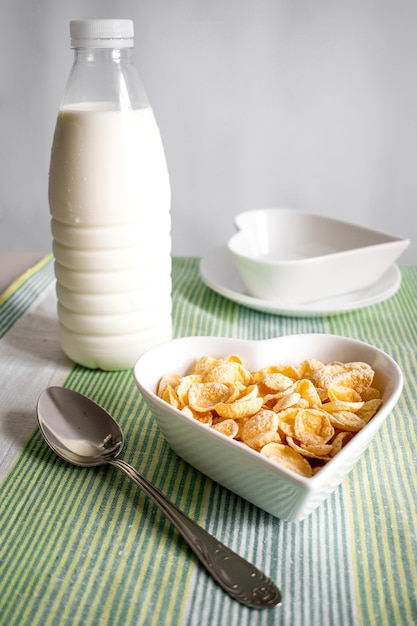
{"x":239,"y":578}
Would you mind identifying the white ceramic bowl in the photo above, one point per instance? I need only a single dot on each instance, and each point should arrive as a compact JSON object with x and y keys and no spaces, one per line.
{"x":244,"y":471}
{"x":284,"y":254}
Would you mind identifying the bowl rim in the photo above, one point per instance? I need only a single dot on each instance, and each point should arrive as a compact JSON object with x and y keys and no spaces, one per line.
{"x":391,"y":241}
{"x":321,"y":477}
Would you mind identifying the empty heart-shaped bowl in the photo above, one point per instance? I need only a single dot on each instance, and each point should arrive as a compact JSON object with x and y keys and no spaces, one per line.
{"x":291,"y":256}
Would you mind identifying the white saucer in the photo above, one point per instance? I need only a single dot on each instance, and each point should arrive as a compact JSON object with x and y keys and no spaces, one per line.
{"x":218,"y":272}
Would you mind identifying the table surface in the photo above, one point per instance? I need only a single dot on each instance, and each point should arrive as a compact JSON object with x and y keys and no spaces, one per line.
{"x":82,"y":546}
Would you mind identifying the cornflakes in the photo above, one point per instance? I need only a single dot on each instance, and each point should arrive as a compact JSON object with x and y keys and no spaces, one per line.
{"x":299,"y":417}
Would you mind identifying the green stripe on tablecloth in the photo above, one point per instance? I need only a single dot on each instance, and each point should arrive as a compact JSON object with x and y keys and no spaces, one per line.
{"x":382,"y":487}
{"x":86,"y":547}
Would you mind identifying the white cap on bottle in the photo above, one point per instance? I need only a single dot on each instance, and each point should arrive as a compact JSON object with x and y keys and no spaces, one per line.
{"x":101,"y":33}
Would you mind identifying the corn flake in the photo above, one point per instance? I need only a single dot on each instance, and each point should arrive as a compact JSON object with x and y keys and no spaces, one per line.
{"x":227,"y":427}
{"x":204,"y":397}
{"x":260,"y":429}
{"x":274,"y":382}
{"x":313,"y":427}
{"x":286,"y":401}
{"x":227,"y":373}
{"x":312,"y":452}
{"x":169,"y":380}
{"x":370,"y":394}
{"x":369,"y":408}
{"x":239,"y":408}
{"x":346,"y":420}
{"x":287,"y":457}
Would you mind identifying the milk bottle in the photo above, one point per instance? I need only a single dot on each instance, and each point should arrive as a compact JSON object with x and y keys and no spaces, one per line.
{"x":109,"y":198}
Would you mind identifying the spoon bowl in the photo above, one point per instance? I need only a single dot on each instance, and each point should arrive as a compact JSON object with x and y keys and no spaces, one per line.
{"x":77,"y":429}
{"x":83,"y":433}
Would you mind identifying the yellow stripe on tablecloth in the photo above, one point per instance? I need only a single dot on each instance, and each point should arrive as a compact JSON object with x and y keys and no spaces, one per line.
{"x":16,"y":284}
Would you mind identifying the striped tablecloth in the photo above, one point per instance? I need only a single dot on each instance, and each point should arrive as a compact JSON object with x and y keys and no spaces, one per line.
{"x":86,"y":547}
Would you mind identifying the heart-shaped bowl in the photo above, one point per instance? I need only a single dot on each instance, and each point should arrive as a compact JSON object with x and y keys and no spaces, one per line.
{"x":288,"y":255}
{"x":261,"y":481}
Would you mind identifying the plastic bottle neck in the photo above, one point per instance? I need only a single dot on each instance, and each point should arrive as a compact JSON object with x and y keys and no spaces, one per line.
{"x":105,"y":74}
{"x":102,"y":55}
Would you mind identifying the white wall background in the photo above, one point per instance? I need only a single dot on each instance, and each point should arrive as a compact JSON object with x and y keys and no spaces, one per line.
{"x":310,"y":104}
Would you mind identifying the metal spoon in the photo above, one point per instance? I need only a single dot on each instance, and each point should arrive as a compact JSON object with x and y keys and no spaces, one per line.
{"x":82,"y":432}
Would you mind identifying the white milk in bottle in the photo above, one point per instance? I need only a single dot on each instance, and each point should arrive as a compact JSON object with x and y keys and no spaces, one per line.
{"x":109,"y":198}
